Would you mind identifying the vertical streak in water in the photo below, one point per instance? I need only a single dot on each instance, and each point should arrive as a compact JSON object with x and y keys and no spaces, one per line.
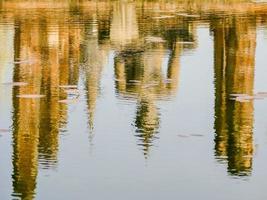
{"x":234,"y":51}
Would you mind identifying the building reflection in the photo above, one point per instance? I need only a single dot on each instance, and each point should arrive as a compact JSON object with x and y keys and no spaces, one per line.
{"x":234,"y":52}
{"x":26,"y":119}
{"x":143,"y":74}
{"x":49,"y":56}
{"x":94,"y":58}
{"x":64,"y":46}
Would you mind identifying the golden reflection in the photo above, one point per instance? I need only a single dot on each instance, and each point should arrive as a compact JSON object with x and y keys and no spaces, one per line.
{"x":234,"y":47}
{"x":94,"y":58}
{"x":26,"y":119}
{"x":124,"y":27}
{"x":143,"y":74}
{"x":49,"y":56}
{"x":63,"y":42}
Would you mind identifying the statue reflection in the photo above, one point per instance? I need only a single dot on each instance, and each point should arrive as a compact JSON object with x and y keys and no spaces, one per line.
{"x":234,"y":51}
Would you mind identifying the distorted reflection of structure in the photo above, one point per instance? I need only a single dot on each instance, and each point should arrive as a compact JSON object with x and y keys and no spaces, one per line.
{"x":75,"y":41}
{"x":147,"y":66}
{"x":46,"y":52}
{"x":234,"y":51}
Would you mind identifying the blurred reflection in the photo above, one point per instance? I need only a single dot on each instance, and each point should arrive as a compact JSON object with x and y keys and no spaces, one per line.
{"x":143,"y":73}
{"x":26,"y":118}
{"x":124,"y":28}
{"x":66,"y":43}
{"x":48,"y":56}
{"x":94,"y":58}
{"x":234,"y":47}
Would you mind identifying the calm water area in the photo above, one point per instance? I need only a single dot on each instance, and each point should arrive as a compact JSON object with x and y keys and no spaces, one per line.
{"x":133,"y":100}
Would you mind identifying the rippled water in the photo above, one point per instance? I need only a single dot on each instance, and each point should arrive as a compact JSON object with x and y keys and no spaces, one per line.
{"x":137,"y":99}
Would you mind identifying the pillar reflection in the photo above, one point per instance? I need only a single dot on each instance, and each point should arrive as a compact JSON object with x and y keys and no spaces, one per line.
{"x":234,"y":52}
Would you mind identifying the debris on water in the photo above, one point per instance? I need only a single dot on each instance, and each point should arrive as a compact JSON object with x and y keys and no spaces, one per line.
{"x":21,"y":61}
{"x":149,"y":85}
{"x":238,"y":95}
{"x":185,"y":42}
{"x":242,"y":100}
{"x":248,"y":156}
{"x":4,"y":130}
{"x":16,"y":84}
{"x":245,"y":97}
{"x":31,"y":96}
{"x":232,"y":99}
{"x":72,"y":91}
{"x":134,"y":81}
{"x":183,"y":136}
{"x":118,"y":80}
{"x":154,"y":39}
{"x":167,"y":80}
{"x":261,"y":94}
{"x":187,"y":15}
{"x":67,"y":101}
{"x":197,"y":135}
{"x":189,"y":135}
{"x":163,"y":17}
{"x":68,"y":86}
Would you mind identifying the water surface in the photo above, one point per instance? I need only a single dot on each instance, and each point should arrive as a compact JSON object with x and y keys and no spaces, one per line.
{"x":148,"y":114}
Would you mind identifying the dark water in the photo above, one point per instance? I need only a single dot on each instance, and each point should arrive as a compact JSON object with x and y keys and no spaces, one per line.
{"x":148,"y":114}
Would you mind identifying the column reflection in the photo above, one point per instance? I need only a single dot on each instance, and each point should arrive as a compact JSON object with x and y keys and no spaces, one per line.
{"x":234,"y":52}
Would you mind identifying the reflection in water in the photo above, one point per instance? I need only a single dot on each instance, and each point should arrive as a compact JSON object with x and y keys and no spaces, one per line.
{"x":94,"y":58}
{"x":234,"y":44}
{"x":45,"y":48}
{"x":26,"y":113}
{"x":63,"y":46}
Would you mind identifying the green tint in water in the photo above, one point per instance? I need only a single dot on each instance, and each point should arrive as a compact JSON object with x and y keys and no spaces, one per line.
{"x":129,"y":87}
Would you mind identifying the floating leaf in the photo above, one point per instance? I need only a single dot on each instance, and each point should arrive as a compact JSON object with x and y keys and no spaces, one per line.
{"x":22,"y":61}
{"x":168,"y":81}
{"x":249,"y":97}
{"x":68,"y":101}
{"x":232,"y":99}
{"x":248,"y":156}
{"x":68,"y":86}
{"x":187,"y":15}
{"x":16,"y":84}
{"x":72,"y":91}
{"x":197,"y":135}
{"x":163,"y":17}
{"x":30,"y":96}
{"x":242,"y":100}
{"x":261,"y":94}
{"x":238,"y":95}
{"x":134,"y":81}
{"x":183,"y":136}
{"x":4,"y":130}
{"x":154,"y":39}
{"x":149,"y":85}
{"x":118,"y":80}
{"x":185,"y":42}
